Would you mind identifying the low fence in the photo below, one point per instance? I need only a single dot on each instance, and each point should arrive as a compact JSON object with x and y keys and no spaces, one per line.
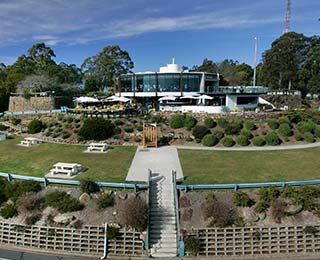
{"x":256,"y":241}
{"x":47,"y":181}
{"x":88,"y":241}
{"x":31,"y":112}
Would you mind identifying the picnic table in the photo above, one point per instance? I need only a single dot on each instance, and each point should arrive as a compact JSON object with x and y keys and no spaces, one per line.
{"x":30,"y":141}
{"x":66,"y":168}
{"x":97,"y":147}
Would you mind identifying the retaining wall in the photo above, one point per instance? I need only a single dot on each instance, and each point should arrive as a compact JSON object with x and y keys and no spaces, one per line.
{"x":291,"y":240}
{"x":34,"y":103}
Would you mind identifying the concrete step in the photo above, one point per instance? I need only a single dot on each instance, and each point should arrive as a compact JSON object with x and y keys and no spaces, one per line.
{"x":165,"y":253}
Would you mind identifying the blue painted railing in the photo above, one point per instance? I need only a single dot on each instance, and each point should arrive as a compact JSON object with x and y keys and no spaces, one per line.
{"x":30,"y":112}
{"x":47,"y":181}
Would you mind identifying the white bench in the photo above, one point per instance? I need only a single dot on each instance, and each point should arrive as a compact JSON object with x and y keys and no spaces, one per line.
{"x":29,"y":141}
{"x":66,"y":168}
{"x":97,"y":147}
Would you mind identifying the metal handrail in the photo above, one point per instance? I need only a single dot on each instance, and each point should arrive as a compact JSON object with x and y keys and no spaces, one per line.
{"x":176,"y":205}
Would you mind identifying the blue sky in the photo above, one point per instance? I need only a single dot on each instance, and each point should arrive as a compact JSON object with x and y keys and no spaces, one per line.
{"x":152,"y":31}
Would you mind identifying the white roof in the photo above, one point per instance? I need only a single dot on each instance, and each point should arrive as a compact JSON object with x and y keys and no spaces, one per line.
{"x":117,"y":99}
{"x":170,"y":98}
{"x":86,"y":100}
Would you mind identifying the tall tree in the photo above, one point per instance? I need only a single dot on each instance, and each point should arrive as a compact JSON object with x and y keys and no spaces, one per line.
{"x":283,"y":60}
{"x":207,"y":66}
{"x":111,"y":62}
{"x":244,"y":74}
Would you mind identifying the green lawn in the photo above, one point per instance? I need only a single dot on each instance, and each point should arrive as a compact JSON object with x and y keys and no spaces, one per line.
{"x":202,"y":167}
{"x":112,"y":166}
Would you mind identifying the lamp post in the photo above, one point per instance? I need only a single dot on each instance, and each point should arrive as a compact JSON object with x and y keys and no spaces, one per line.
{"x":255,"y":61}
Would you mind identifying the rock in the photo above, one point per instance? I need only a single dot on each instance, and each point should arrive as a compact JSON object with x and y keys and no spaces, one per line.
{"x":123,"y":196}
{"x":262,"y":215}
{"x":84,"y":198}
{"x":250,"y":216}
{"x":108,"y":192}
{"x":63,"y":219}
{"x":114,"y":213}
{"x":294,"y":209}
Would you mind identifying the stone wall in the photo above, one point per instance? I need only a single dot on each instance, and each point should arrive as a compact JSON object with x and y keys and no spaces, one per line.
{"x":18,"y":104}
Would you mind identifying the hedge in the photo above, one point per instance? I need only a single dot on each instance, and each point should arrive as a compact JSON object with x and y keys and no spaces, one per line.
{"x":249,"y":125}
{"x":285,"y":130}
{"x":176,"y":121}
{"x":189,"y":122}
{"x":228,"y":142}
{"x":199,"y":131}
{"x":247,"y":133}
{"x":210,"y":140}
{"x":306,"y":126}
{"x":96,"y":129}
{"x":242,"y":140}
{"x":273,"y":123}
{"x":309,"y":137}
{"x":272,"y":139}
{"x":35,"y":126}
{"x":258,"y":141}
{"x":219,"y":134}
{"x":210,"y":123}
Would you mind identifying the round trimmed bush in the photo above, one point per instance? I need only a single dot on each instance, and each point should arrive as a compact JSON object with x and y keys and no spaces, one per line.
{"x":222,"y":122}
{"x":228,"y":142}
{"x":8,"y":211}
{"x":233,"y":128}
{"x":285,"y":130}
{"x":258,"y":141}
{"x":219,"y":134}
{"x":210,"y":140}
{"x":273,"y":123}
{"x":209,"y":122}
{"x":88,"y":186}
{"x":284,"y":120}
{"x":176,"y":121}
{"x":118,"y":122}
{"x":189,"y":122}
{"x":317,"y":131}
{"x":306,"y":126}
{"x":35,"y":126}
{"x":247,"y":133}
{"x":189,"y":139}
{"x":129,"y":129}
{"x":242,"y":140}
{"x":309,"y":137}
{"x":199,"y":131}
{"x":272,"y":139}
{"x":298,"y":136}
{"x":96,"y":129}
{"x":249,"y":125}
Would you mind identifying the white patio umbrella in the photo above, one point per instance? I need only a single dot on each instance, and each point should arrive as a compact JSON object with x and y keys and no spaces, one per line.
{"x":86,"y":100}
{"x":117,"y":99}
{"x":203,"y":98}
{"x":168,"y":98}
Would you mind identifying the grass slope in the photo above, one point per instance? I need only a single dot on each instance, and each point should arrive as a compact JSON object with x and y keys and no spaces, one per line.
{"x":37,"y":161}
{"x":202,"y":167}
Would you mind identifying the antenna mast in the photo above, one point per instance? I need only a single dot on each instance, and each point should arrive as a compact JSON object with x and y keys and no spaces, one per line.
{"x":287,"y":17}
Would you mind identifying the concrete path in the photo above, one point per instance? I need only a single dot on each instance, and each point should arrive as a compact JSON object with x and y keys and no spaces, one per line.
{"x":252,"y":148}
{"x":161,"y":160}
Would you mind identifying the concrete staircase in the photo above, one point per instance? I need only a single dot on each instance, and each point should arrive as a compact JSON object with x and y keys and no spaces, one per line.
{"x":162,"y":218}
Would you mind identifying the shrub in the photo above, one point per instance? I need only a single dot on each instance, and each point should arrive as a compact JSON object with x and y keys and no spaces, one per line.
{"x":242,"y":140}
{"x":3,"y":184}
{"x":189,"y":139}
{"x":15,"y":189}
{"x":33,"y":219}
{"x":35,"y":126}
{"x":210,"y":140}
{"x":249,"y":125}
{"x":164,"y":140}
{"x":65,"y":135}
{"x":285,"y":130}
{"x":30,"y":202}
{"x":273,"y":123}
{"x":311,"y":230}
{"x":96,"y":129}
{"x":15,"y":121}
{"x":309,"y":137}
{"x":128,"y":129}
{"x":69,"y":119}
{"x":247,"y":133}
{"x":298,"y":136}
{"x":137,"y":139}
{"x":156,"y":119}
{"x":267,"y":195}
{"x":189,"y":122}
{"x":199,"y":131}
{"x":60,"y":117}
{"x":118,"y":122}
{"x":284,"y":120}
{"x":306,"y":126}
{"x":219,"y":134}
{"x":3,"y":127}
{"x":209,"y":122}
{"x":258,"y":141}
{"x":176,"y":121}
{"x":317,"y":131}
{"x":105,"y":201}
{"x":242,"y":199}
{"x":218,"y":212}
{"x":112,"y":232}
{"x":8,"y":211}
{"x":134,"y":212}
{"x":228,"y":142}
{"x":192,"y":244}
{"x":63,"y":202}
{"x":77,"y":120}
{"x":88,"y":186}
{"x":233,"y":128}
{"x":222,"y":122}
{"x":277,"y":210}
{"x":140,"y":128}
{"x":272,"y":139}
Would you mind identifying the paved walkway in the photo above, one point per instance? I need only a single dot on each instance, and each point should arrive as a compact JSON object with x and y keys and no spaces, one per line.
{"x":161,"y":160}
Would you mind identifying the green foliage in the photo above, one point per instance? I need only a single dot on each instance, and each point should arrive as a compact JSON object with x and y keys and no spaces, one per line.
{"x":189,"y":122}
{"x":69,"y":119}
{"x":65,"y":135}
{"x":298,"y":136}
{"x":249,"y":125}
{"x":105,"y":201}
{"x":96,"y":129}
{"x":199,"y":131}
{"x":234,"y":127}
{"x":189,"y":139}
{"x":306,"y":196}
{"x":222,"y":122}
{"x":311,"y":230}
{"x":258,"y":141}
{"x":140,"y":128}
{"x":3,"y":127}
{"x":118,"y":122}
{"x":272,"y":139}
{"x":284,"y":120}
{"x":63,"y":202}
{"x":60,"y":117}
{"x":210,"y":140}
{"x":242,"y":199}
{"x":219,"y":134}
{"x":247,"y":133}
{"x":242,"y":140}
{"x":192,"y":245}
{"x":209,"y":122}
{"x":273,"y":123}
{"x":317,"y":131}
{"x":33,"y":219}
{"x":15,"y":189}
{"x":15,"y":121}
{"x":306,"y":126}
{"x":35,"y":126}
{"x":228,"y":142}
{"x":285,"y":129}
{"x":267,"y":195}
{"x":177,"y":121}
{"x":156,"y":119}
{"x":88,"y":186}
{"x":309,"y":137}
{"x":112,"y":232}
{"x":129,"y":129}
{"x":8,"y":211}
{"x":218,"y":212}
{"x":137,"y":139}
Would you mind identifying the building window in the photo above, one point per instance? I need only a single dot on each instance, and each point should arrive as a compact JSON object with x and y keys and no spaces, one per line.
{"x":246,"y":100}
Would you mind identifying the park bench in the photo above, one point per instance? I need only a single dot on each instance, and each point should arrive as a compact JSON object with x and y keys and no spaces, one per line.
{"x":69,"y":169}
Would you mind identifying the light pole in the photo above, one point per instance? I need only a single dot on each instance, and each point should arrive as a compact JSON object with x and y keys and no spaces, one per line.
{"x":255,"y":61}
